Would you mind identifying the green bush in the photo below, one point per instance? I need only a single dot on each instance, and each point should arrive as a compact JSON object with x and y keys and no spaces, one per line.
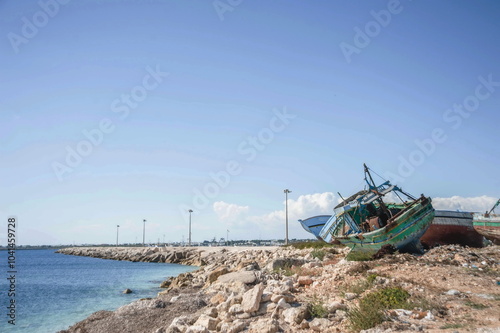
{"x":371,"y":278}
{"x":363,"y":319}
{"x":370,"y":311}
{"x":320,"y":254}
{"x":310,"y":245}
{"x":316,"y":309}
{"x":387,"y":298}
{"x":359,"y":256}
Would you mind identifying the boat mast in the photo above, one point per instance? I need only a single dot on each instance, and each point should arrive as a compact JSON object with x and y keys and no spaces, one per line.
{"x":380,"y":201}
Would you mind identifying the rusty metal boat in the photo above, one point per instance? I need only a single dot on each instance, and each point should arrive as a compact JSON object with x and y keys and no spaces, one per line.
{"x":452,"y":227}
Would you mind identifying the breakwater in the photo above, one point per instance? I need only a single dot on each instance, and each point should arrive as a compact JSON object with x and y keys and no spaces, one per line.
{"x":288,"y":290}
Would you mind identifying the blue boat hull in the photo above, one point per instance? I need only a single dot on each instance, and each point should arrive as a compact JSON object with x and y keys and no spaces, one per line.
{"x":315,"y":224}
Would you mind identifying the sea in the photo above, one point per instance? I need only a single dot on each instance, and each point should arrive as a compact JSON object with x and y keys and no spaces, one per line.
{"x":54,"y":291}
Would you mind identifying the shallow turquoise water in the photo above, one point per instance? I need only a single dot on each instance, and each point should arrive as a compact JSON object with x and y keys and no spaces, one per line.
{"x":54,"y":291}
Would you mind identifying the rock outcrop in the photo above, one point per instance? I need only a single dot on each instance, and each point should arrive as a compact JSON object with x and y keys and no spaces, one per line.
{"x":289,"y":290}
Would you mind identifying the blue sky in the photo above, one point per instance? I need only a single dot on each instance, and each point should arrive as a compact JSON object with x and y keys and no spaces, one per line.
{"x":218,"y":106}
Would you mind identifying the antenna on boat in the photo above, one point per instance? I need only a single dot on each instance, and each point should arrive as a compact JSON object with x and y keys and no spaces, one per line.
{"x":340,"y":195}
{"x":379,"y":199}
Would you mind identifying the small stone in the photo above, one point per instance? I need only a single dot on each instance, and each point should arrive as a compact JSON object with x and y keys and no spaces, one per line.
{"x":320,"y":324}
{"x":217,"y":299}
{"x":305,"y":280}
{"x":453,"y":292}
{"x":235,"y":309}
{"x":175,"y":298}
{"x":350,"y":296}
{"x":275,"y":298}
{"x":211,"y":312}
{"x":127,"y":291}
{"x":334,"y":306}
{"x":294,"y":315}
{"x":282,"y":304}
{"x":266,"y":325}
{"x":197,"y":329}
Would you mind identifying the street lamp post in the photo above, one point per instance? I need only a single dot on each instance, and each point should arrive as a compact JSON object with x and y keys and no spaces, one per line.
{"x":144,"y":233}
{"x":189,"y":237}
{"x":227,"y":237}
{"x":117,"y":228}
{"x":286,"y":214}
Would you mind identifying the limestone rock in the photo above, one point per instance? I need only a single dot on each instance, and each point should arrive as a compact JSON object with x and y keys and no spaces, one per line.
{"x":127,"y":291}
{"x":251,"y":299}
{"x":264,"y":325}
{"x":294,"y":315}
{"x":207,"y":322}
{"x":246,"y":277}
{"x":213,"y":275}
{"x":336,"y":305}
{"x":305,"y":280}
{"x":217,"y":299}
{"x":235,"y":327}
{"x":320,"y":324}
{"x":235,"y":309}
{"x":197,"y":329}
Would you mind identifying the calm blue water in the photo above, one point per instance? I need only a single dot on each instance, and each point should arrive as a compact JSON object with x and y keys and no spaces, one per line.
{"x":54,"y":291}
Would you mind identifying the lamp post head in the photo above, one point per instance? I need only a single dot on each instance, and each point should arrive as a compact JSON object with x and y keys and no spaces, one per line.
{"x":287,"y":191}
{"x":144,"y":220}
{"x":190,"y":210}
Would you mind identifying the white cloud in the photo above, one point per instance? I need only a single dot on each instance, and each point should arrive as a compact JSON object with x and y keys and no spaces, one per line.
{"x":273,"y":223}
{"x":230,"y":213}
{"x":471,"y":204}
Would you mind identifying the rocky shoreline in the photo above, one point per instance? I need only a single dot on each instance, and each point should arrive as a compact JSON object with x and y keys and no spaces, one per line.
{"x":282,"y":289}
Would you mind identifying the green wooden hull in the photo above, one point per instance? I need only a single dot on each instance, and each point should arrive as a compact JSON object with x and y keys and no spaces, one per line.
{"x":403,"y":232}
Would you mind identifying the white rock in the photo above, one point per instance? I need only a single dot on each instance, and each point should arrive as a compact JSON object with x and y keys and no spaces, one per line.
{"x":350,"y":296}
{"x":251,"y":299}
{"x":235,"y":309}
{"x":282,"y":304}
{"x":197,"y":329}
{"x":336,"y":305}
{"x":294,"y":315}
{"x":320,"y":324}
{"x":234,"y":327}
{"x":207,"y":321}
{"x":265,"y":325}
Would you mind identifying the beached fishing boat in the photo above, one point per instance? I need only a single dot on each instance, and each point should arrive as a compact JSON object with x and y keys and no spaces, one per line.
{"x":452,"y":227}
{"x":364,"y":222}
{"x":488,"y":224}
